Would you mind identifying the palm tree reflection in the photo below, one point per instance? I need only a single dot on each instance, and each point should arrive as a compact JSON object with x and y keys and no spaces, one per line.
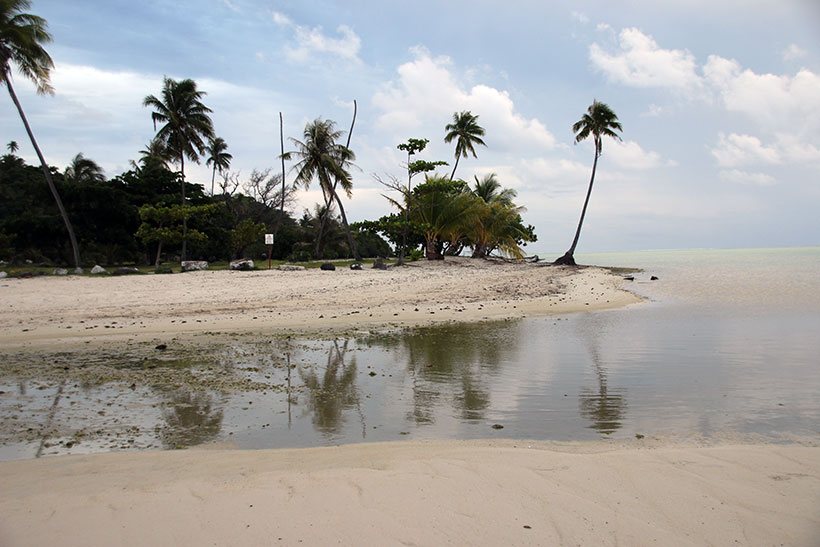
{"x":191,"y":418}
{"x":604,"y":406}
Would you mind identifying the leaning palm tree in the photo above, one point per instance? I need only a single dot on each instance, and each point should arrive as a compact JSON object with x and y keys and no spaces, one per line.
{"x":13,"y":147}
{"x":466,"y":132}
{"x":599,"y":121}
{"x":325,"y":160}
{"x":218,"y":156}
{"x":83,"y":170}
{"x":186,"y":127}
{"x":22,"y":36}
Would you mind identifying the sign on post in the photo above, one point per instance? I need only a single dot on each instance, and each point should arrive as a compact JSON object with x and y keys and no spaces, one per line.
{"x":269,"y":243}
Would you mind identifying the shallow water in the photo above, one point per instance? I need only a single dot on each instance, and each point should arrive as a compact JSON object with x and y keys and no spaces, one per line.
{"x":726,"y":346}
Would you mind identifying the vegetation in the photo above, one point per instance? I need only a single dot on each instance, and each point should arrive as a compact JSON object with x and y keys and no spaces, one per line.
{"x":467,"y":133}
{"x":599,"y":122}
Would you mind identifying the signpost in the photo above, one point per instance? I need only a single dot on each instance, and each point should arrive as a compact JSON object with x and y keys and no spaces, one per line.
{"x":269,"y":243}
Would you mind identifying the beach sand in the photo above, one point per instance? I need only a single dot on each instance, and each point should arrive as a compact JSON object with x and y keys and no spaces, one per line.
{"x":476,"y":493}
{"x":444,"y":493}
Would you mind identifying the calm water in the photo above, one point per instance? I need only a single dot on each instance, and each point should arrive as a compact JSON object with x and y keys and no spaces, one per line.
{"x":726,"y":346}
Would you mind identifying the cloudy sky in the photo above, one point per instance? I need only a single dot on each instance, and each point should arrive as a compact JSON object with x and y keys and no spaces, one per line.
{"x":719,"y":101}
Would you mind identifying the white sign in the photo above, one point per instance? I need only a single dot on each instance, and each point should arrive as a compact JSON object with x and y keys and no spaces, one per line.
{"x":268,"y":239}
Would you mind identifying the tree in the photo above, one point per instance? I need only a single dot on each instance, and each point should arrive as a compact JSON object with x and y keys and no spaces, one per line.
{"x":12,"y":147}
{"x":161,"y":224}
{"x":466,"y":132}
{"x":498,"y":224}
{"x":445,"y":210}
{"x":218,"y":156}
{"x":325,"y":160}
{"x":599,"y":121}
{"x":186,"y":127}
{"x":22,"y":36}
{"x":83,"y":170}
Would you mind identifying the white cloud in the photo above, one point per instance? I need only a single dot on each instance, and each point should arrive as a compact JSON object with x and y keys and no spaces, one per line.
{"x":640,"y":62}
{"x":653,"y":111}
{"x":427,"y":93}
{"x":311,"y":41}
{"x":743,"y":177}
{"x":630,"y":155}
{"x":793,"y":52}
{"x":737,"y":150}
{"x":797,"y":149}
{"x":580,"y":17}
{"x":769,"y":99}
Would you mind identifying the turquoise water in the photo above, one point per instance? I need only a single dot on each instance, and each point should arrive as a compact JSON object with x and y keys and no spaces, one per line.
{"x":727,"y":345}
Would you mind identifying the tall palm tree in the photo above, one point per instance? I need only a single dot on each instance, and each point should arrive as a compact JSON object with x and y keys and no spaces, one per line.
{"x":22,"y":36}
{"x":186,"y":127}
{"x":83,"y":170}
{"x":467,"y":133}
{"x":13,"y":147}
{"x":324,"y":159}
{"x":218,"y":156}
{"x":599,"y":121}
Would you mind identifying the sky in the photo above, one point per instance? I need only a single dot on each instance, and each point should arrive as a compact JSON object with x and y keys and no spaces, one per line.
{"x":719,"y":102}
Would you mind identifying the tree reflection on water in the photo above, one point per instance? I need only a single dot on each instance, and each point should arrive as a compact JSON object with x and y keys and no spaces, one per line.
{"x":191,"y":418}
{"x":605,"y":407}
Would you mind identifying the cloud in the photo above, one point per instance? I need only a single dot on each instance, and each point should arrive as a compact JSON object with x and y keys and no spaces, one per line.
{"x":312,"y":41}
{"x":640,"y":62}
{"x":580,"y":17}
{"x":630,"y":155}
{"x":793,"y":52}
{"x":427,"y":92}
{"x":769,"y":99}
{"x":743,"y":177}
{"x":735,"y":150}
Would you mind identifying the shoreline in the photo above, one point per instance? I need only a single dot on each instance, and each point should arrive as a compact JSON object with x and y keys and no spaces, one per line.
{"x":72,"y":311}
{"x":466,"y":492}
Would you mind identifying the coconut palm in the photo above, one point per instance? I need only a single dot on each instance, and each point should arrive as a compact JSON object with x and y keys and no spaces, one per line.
{"x":444,"y":212}
{"x":498,"y":225}
{"x":12,"y":147}
{"x":83,"y":170}
{"x":466,"y":132}
{"x":186,"y":127}
{"x":22,"y":36}
{"x":218,"y":156}
{"x":599,"y":121}
{"x":489,"y":189}
{"x":322,"y":158}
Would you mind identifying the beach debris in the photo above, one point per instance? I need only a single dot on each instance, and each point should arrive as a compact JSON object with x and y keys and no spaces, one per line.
{"x":290,"y":268}
{"x":60,"y":271}
{"x":126,"y":270}
{"x":161,"y":347}
{"x":242,"y":265}
{"x":327,"y":267}
{"x":653,"y":278}
{"x":194,"y":265}
{"x":356,"y":266}
{"x":639,"y":436}
{"x":497,"y":426}
{"x":372,"y":373}
{"x":629,"y":277}
{"x":98,"y":270}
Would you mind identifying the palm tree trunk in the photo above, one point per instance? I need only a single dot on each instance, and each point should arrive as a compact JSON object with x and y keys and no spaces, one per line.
{"x":282,"y":156}
{"x":454,"y":168}
{"x":74,"y":248}
{"x":184,"y":216}
{"x":568,"y":259}
{"x":350,"y":241}
{"x":213,"y":178}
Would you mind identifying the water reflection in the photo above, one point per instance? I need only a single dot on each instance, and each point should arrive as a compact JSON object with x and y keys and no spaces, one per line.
{"x":605,"y":407}
{"x":335,"y":392}
{"x":191,"y":418}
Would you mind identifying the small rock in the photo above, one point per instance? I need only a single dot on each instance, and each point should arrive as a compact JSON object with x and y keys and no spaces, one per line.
{"x":639,"y":436}
{"x":161,"y":347}
{"x":290,"y":268}
{"x":60,"y":271}
{"x":629,"y":277}
{"x":194,"y":265}
{"x":328,"y":267}
{"x":372,"y":373}
{"x":653,"y":278}
{"x":355,"y":266}
{"x":3,"y":275}
{"x":98,"y":270}
{"x":242,"y":265}
{"x":497,"y":426}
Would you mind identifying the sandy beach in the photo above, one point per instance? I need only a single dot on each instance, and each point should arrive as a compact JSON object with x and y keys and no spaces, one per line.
{"x":65,"y":310}
{"x":493,"y":492}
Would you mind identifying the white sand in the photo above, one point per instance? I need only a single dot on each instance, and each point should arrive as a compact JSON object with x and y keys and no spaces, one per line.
{"x":453,"y":493}
{"x":61,"y":310}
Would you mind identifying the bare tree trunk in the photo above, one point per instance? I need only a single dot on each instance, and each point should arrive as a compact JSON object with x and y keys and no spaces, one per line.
{"x":74,"y":247}
{"x":282,"y":156}
{"x":569,"y":259}
{"x":184,"y":216}
{"x":159,"y":254}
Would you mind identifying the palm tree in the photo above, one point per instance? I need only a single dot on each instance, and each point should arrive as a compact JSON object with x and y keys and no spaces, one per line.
{"x":599,"y":121}
{"x":444,"y":212}
{"x":489,"y":189}
{"x":83,"y":170}
{"x":466,"y":132}
{"x":498,"y":225}
{"x":22,"y":36}
{"x":187,"y":126}
{"x":323,"y":159}
{"x":218,"y":156}
{"x":12,"y":147}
